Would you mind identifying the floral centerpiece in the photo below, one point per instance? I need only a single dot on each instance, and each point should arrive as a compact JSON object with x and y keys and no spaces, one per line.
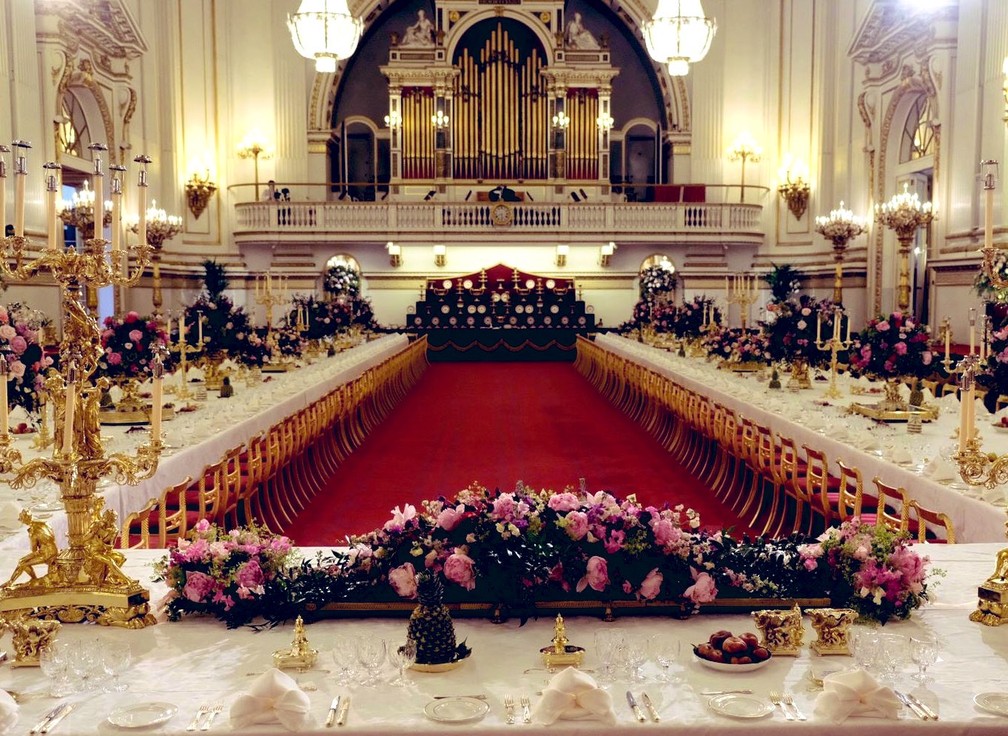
{"x":524,"y":549}
{"x":341,"y":280}
{"x":656,"y":282}
{"x":287,"y":343}
{"x":26,"y":364}
{"x":874,"y":569}
{"x":734,"y":346}
{"x":791,"y":333}
{"x":129,"y":345}
{"x":784,"y":281}
{"x":892,"y":348}
{"x":234,"y":575}
{"x":691,"y":318}
{"x":227,"y":329}
{"x":993,"y":375}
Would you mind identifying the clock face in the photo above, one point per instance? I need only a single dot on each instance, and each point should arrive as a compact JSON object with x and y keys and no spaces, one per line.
{"x":501,"y":214}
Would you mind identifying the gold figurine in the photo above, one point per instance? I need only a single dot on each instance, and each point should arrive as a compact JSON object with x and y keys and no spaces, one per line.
{"x":30,"y":638}
{"x":782,"y":630}
{"x":299,"y":655}
{"x":832,"y":627}
{"x":992,"y":603}
{"x":41,"y":545}
{"x":560,"y":653}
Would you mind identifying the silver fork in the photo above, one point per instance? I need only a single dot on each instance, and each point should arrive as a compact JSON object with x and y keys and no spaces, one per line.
{"x":789,"y":701}
{"x":526,"y":709}
{"x":214,"y":712}
{"x":194,"y":723}
{"x":775,"y":698}
{"x":509,"y":707}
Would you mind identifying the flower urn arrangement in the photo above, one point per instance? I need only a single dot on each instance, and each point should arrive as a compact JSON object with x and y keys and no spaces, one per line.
{"x":893,"y":348}
{"x":20,"y":330}
{"x":737,"y":348}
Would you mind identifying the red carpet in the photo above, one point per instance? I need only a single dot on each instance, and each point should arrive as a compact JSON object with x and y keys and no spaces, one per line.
{"x":498,"y":423}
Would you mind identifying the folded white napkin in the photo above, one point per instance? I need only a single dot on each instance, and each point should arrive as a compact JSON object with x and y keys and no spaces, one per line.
{"x":949,"y":402}
{"x":869,"y":442}
{"x":9,"y":511}
{"x":9,"y":712}
{"x":941,"y":469}
{"x":273,"y":697}
{"x":901,"y":456}
{"x":855,"y":693}
{"x":573,"y":695}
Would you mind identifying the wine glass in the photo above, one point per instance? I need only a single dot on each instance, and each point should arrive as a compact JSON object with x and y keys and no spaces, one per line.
{"x":85,"y":660}
{"x":607,"y":644}
{"x":115,"y":658}
{"x":923,"y":653}
{"x":345,"y":658}
{"x":634,"y":655}
{"x":370,"y":656}
{"x":54,"y":660}
{"x":403,"y":657}
{"x":862,"y":645}
{"x":666,"y":651}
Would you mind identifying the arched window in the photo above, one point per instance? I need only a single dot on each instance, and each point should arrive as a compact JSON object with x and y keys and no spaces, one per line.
{"x":72,"y":134}
{"x":657,"y":279}
{"x":918,"y":133}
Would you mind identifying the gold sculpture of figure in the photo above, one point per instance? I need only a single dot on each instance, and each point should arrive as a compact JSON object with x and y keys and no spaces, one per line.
{"x":992,"y":603}
{"x":559,"y":636}
{"x":105,"y":560}
{"x":832,"y":626}
{"x":782,"y":630}
{"x":31,"y":636}
{"x":41,"y":545}
{"x":300,"y":655}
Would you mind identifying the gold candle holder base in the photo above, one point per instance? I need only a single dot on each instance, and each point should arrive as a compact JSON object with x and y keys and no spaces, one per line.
{"x":832,"y":627}
{"x":992,"y":606}
{"x":560,"y":653}
{"x":300,"y":655}
{"x":72,"y":604}
{"x":782,"y":631}
{"x":31,"y":637}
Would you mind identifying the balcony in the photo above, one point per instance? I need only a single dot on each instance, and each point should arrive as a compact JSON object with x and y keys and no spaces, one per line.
{"x":456,"y":220}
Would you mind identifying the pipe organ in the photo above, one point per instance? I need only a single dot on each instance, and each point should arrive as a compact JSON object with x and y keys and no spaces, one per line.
{"x":503,"y":73}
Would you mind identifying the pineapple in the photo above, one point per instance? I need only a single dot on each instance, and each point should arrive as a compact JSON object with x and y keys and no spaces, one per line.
{"x":430,"y":624}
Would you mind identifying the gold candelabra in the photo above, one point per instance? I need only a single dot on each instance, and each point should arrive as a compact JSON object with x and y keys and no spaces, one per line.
{"x":840,"y":227}
{"x":744,"y":149}
{"x":252,"y":147}
{"x":84,"y":581}
{"x":904,"y":214}
{"x":794,"y":188}
{"x":270,"y":295}
{"x":741,"y":289}
{"x":199,"y":189}
{"x":160,"y":227}
{"x":184,"y":349}
{"x":834,"y":345}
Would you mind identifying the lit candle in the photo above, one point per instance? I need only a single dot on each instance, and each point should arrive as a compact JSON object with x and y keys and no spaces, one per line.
{"x":972,"y":324}
{"x":818,"y":327}
{"x":158,"y":369}
{"x":40,"y":337}
{"x":70,"y":404}
{"x":837,"y":317}
{"x":971,"y":412}
{"x":143,"y":160}
{"x":116,"y":214}
{"x":199,"y":322}
{"x":848,"y":327}
{"x":948,"y":337}
{"x":3,"y":184}
{"x":98,"y":185}
{"x":4,"y":410}
{"x":988,"y":217}
{"x":20,"y":175}
{"x":726,"y":291}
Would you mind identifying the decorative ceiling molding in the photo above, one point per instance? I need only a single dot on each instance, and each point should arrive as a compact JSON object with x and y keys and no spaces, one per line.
{"x":102,"y":24}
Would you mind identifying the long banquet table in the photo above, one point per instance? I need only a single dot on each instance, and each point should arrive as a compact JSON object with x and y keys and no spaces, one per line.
{"x":809,"y":417}
{"x":197,"y":661}
{"x":195,"y":440}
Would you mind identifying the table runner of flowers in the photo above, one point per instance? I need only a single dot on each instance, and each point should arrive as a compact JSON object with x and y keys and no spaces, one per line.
{"x":525,"y":548}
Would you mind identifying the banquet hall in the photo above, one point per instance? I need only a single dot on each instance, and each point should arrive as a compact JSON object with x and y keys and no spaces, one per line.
{"x":716,"y":287}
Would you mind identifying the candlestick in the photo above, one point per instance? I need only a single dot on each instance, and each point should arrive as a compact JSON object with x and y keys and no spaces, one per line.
{"x":142,"y":198}
{"x":20,"y":176}
{"x":818,"y":327}
{"x":70,"y":405}
{"x":116,"y":212}
{"x":972,"y":324}
{"x":948,"y":338}
{"x":199,"y":322}
{"x":834,"y":345}
{"x":156,"y":399}
{"x":52,"y":189}
{"x":98,"y":187}
{"x":3,"y":183}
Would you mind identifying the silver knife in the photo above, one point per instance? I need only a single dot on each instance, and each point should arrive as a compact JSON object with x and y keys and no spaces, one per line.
{"x":928,"y":710}
{"x":57,"y":718}
{"x":333,"y":707}
{"x":911,"y":705}
{"x":650,"y":707}
{"x":632,"y":701}
{"x":341,"y":718}
{"x":46,"y":718}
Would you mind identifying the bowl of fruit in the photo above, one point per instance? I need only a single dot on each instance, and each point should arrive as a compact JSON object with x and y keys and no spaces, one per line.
{"x":725,"y":652}
{"x":1001,"y":425}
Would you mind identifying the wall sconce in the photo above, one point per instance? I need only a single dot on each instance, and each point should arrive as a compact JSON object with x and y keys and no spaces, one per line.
{"x":605,"y":122}
{"x":198,"y":191}
{"x":561,"y":255}
{"x":393,"y":120}
{"x":795,"y":189}
{"x":395,"y":254}
{"x":440,"y":256}
{"x":606,"y":253}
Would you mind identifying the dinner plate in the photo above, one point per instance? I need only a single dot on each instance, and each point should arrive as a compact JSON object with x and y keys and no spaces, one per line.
{"x":456,"y":710}
{"x":142,"y":715}
{"x":993,"y":703}
{"x":740,"y":706}
{"x":467,"y":283}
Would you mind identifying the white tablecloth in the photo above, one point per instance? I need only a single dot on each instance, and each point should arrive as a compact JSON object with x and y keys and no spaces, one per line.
{"x":808,"y":417}
{"x":200,"y":438}
{"x":198,"y":661}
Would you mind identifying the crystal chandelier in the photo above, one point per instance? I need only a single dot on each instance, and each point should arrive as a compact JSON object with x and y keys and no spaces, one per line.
{"x":79,"y":212}
{"x":324,"y":30}
{"x":679,"y":34}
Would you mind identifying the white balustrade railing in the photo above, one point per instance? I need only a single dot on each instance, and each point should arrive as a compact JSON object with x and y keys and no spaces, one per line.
{"x":349,"y":220}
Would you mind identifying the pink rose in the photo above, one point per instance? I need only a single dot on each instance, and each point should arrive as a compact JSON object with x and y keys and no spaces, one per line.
{"x":131,"y":317}
{"x":449,"y":517}
{"x":17,"y":369}
{"x":562,"y":502}
{"x":403,"y":580}
{"x":703,"y":589}
{"x":900,"y":348}
{"x":882,"y":326}
{"x":198,"y":586}
{"x":577,"y":524}
{"x":7,"y":332}
{"x":19,"y":344}
{"x":596,"y":575}
{"x":459,"y":568}
{"x":135,"y":335}
{"x":926,"y":357}
{"x":115,"y":358}
{"x":250,"y":575}
{"x":651,"y":586}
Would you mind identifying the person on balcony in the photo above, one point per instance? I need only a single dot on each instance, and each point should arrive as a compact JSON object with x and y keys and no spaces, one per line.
{"x":270,"y":193}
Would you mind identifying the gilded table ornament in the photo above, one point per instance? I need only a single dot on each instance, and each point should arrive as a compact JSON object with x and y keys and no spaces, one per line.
{"x":992,"y":604}
{"x":299,"y":655}
{"x":781,"y":630}
{"x":832,"y":627}
{"x":561,"y":653}
{"x":30,"y":638}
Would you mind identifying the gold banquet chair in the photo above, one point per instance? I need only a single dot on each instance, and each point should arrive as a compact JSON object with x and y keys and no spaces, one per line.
{"x":929,"y":522}
{"x":851,"y":501}
{"x":893,"y":509}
